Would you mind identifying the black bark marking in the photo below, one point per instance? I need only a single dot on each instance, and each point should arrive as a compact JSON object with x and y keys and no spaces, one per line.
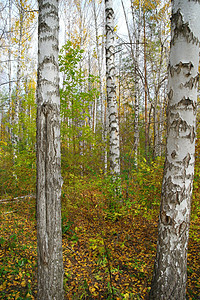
{"x":173,"y":154}
{"x":170,"y":94}
{"x":178,"y":67}
{"x":175,"y":193}
{"x":181,"y":29}
{"x":187,"y":102}
{"x":165,"y":219}
{"x":192,"y":135}
{"x":109,"y":12}
{"x":44,"y":27}
{"x":182,"y":227}
{"x":179,"y":125}
{"x":186,"y":160}
{"x":47,"y":108}
{"x":192,"y":82}
{"x":178,"y":197}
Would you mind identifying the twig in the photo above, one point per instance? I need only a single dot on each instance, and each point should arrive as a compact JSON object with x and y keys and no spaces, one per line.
{"x":17,"y":198}
{"x":72,"y":250}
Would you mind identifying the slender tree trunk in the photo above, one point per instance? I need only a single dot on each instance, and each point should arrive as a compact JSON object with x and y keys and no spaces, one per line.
{"x":137,"y":57}
{"x":81,"y":122}
{"x":105,"y":134}
{"x":1,"y":125}
{"x":162,"y":121}
{"x":170,"y":271}
{"x":129,"y":31}
{"x":99,"y":65}
{"x":18,"y":82}
{"x":94,"y":117}
{"x":145,"y":88}
{"x":119,"y":87}
{"x":10,"y":72}
{"x":155,"y":127}
{"x":49,"y":180}
{"x":114,"y":154}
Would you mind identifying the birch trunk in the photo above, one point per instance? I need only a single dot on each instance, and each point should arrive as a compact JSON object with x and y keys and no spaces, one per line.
{"x":137,"y":57}
{"x":111,"y":92}
{"x":17,"y":105}
{"x":10,"y":71}
{"x":170,"y":271}
{"x":99,"y":64}
{"x":49,"y":181}
{"x":145,"y":87}
{"x":155,"y":127}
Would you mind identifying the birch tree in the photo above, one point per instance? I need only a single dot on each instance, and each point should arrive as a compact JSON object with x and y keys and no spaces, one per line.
{"x":137,"y":86}
{"x":99,"y":59}
{"x":111,"y":91}
{"x":135,"y":55}
{"x":49,"y":181}
{"x":170,"y":271}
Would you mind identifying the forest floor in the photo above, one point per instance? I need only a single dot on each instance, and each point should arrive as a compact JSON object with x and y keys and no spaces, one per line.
{"x":107,"y":253}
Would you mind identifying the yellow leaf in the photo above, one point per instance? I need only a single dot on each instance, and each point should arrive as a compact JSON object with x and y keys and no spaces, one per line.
{"x":126,"y":296}
{"x":92,"y":290}
{"x":17,"y":295}
{"x":2,"y":287}
{"x":23,"y":283}
{"x":28,"y":295}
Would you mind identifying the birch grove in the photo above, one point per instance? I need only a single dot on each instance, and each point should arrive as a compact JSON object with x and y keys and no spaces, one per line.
{"x":99,"y":113}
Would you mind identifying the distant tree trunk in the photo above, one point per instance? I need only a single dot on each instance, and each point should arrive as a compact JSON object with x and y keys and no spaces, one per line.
{"x":49,"y":181}
{"x":137,"y":58}
{"x":1,"y":125}
{"x":170,"y":271}
{"x":9,"y":72}
{"x":105,"y":135}
{"x":113,"y":125}
{"x":155,"y":127}
{"x":145,"y":88}
{"x":99,"y":64}
{"x":17,"y":105}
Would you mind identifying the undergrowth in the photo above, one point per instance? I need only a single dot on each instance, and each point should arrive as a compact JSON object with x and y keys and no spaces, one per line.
{"x":109,"y":242}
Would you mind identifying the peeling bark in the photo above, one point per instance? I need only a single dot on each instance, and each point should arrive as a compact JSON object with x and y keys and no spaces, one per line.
{"x":49,"y":181}
{"x":170,"y":270}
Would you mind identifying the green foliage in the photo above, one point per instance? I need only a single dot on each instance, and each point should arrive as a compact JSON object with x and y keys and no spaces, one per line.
{"x":17,"y":164}
{"x":147,"y":181}
{"x":77,"y":97}
{"x":110,"y":188}
{"x":83,"y":291}
{"x":67,"y":229}
{"x":97,"y":246}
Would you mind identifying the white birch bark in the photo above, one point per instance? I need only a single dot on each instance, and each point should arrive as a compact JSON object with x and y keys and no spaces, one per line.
{"x":18,"y":79}
{"x":155,"y":125}
{"x":49,"y":181}
{"x":137,"y":57}
{"x":114,"y":154}
{"x":170,"y":272}
{"x":10,"y":71}
{"x":98,"y":62}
